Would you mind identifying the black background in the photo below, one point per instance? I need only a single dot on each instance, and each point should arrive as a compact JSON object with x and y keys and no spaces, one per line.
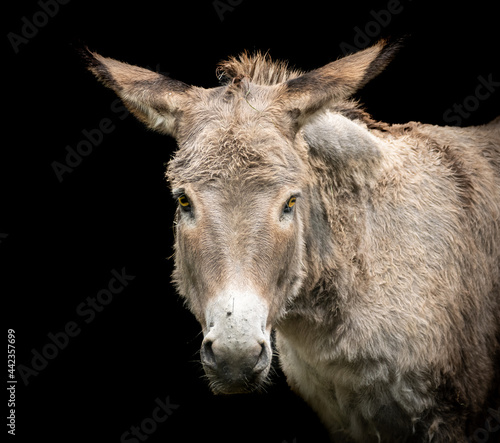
{"x":61,"y":240}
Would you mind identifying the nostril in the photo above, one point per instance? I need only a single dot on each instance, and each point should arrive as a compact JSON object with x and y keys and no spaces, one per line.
{"x":262,"y":360}
{"x":207,"y":354}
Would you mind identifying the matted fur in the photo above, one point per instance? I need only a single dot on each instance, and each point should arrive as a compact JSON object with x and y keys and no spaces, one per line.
{"x":383,"y":284}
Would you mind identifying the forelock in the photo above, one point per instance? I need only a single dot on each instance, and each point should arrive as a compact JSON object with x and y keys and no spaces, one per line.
{"x":257,"y":68}
{"x":249,"y":153}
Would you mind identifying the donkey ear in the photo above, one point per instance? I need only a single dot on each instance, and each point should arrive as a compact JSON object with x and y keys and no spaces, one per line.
{"x":316,"y":90}
{"x":153,"y":98}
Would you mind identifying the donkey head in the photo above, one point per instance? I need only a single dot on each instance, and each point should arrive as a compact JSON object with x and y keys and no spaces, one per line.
{"x":243,"y":187}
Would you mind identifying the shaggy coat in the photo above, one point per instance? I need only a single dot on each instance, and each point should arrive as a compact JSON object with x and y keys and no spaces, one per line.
{"x":381,"y":272}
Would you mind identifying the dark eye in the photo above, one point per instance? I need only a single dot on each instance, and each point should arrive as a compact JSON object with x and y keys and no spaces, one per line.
{"x":290,"y":204}
{"x":184,"y":203}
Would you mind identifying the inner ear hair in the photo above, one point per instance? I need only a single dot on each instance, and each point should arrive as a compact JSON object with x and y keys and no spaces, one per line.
{"x":316,"y":90}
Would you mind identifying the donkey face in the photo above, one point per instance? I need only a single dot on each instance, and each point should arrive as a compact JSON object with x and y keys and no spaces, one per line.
{"x":242,"y":182}
{"x":238,"y":259}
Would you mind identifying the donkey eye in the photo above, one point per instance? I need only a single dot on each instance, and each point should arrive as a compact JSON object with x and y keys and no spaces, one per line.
{"x":290,"y":204}
{"x":184,"y":202}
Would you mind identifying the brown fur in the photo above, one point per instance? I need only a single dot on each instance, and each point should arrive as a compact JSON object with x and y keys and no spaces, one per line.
{"x":383,"y":283}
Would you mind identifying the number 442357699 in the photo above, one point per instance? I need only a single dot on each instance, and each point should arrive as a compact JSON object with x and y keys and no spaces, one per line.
{"x":11,"y":353}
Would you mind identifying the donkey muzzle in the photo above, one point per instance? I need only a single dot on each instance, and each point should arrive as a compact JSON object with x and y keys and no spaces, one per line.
{"x":236,"y":351}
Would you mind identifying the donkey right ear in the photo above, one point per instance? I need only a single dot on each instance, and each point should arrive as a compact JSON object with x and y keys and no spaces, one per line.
{"x":153,"y":98}
{"x":316,"y":90}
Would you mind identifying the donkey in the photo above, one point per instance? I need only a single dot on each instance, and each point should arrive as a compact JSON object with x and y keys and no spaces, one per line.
{"x":373,"y":250}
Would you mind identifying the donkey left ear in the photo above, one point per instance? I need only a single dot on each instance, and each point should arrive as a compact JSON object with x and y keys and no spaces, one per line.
{"x":153,"y":98}
{"x":316,"y":90}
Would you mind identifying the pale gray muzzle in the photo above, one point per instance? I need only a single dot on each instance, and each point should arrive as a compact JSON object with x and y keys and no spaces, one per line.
{"x":236,"y":351}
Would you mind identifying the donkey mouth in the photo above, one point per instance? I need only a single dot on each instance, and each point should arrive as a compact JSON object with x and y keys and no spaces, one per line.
{"x":229,"y":385}
{"x":236,"y":375}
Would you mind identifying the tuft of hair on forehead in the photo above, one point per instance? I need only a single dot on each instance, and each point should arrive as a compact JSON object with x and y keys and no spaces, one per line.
{"x":257,"y":68}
